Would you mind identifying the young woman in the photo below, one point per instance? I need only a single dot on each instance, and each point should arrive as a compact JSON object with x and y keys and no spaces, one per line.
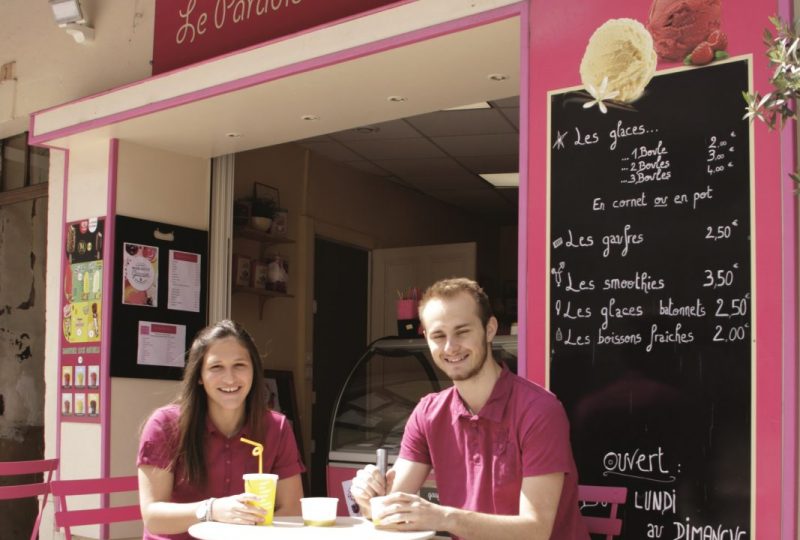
{"x":190,"y":458}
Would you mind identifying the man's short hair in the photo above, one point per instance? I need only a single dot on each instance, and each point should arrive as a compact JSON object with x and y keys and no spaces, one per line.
{"x":451,"y":287}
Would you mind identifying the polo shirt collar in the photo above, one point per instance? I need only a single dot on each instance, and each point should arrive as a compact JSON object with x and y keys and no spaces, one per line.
{"x":212,"y":429}
{"x":495,"y":406}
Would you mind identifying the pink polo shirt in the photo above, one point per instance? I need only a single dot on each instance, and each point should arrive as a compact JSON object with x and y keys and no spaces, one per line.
{"x":480,"y":460}
{"x":226,"y":459}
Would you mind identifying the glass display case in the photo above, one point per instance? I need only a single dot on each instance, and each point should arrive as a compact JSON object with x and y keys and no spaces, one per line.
{"x":377,"y":398}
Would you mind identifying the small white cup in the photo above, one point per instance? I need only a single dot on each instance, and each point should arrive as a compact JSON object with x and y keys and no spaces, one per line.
{"x":376,"y":506}
{"x":319,"y":511}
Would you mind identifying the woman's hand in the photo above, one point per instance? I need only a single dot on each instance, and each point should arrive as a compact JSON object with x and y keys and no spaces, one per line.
{"x":240,"y":509}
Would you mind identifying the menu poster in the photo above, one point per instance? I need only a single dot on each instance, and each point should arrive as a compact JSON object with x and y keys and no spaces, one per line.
{"x":161,"y":344}
{"x":81,"y":315}
{"x":184,"y":281}
{"x":650,"y":287}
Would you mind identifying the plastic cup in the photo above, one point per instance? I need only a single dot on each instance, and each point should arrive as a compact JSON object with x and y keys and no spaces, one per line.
{"x":376,"y":506}
{"x":319,"y":511}
{"x":265,"y":486}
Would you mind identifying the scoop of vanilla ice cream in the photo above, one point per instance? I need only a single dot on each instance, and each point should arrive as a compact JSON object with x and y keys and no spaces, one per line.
{"x":622,"y":50}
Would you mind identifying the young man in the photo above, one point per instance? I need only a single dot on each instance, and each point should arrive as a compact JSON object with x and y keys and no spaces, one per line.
{"x":498,"y":444}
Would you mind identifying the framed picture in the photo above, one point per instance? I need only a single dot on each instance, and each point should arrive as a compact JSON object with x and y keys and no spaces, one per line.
{"x":281,"y":397}
{"x":241,"y":271}
{"x":260,"y":274}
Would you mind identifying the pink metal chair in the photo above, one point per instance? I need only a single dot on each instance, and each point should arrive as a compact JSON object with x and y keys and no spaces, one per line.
{"x":95,"y":516}
{"x":611,"y":525}
{"x":30,"y":489}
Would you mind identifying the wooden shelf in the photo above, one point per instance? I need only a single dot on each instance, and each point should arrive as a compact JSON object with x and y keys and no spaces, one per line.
{"x":260,"y":236}
{"x":263,"y":296}
{"x":265,"y":239}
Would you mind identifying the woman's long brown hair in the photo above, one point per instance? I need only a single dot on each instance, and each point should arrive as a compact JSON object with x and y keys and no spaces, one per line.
{"x":193,"y":400}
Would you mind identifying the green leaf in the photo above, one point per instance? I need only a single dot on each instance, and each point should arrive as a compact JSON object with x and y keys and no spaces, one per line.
{"x":720,"y":55}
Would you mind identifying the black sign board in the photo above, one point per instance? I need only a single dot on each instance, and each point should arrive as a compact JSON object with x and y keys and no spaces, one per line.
{"x":155,"y":298}
{"x":650,"y":299}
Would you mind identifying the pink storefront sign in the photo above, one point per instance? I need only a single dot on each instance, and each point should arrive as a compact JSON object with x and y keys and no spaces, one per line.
{"x":188,"y":31}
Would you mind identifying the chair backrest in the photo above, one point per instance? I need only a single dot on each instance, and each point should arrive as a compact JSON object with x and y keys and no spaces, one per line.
{"x":67,"y":518}
{"x":611,"y":496}
{"x":46,"y":467}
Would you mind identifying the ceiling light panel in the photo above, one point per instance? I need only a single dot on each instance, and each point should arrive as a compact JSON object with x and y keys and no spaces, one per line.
{"x":502,"y":179}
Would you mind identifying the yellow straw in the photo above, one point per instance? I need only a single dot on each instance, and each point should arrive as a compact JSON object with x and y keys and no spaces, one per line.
{"x":257,"y":451}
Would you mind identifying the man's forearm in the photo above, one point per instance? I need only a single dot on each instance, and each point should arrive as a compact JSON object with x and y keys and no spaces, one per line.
{"x":477,"y":526}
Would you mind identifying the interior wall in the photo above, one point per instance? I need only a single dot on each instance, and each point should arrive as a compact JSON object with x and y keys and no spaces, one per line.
{"x":342,"y":204}
{"x":386,"y":213}
{"x":276,"y":329}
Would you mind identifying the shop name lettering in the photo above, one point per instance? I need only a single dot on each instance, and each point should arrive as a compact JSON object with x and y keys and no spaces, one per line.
{"x":651,"y":466}
{"x":195,"y":23}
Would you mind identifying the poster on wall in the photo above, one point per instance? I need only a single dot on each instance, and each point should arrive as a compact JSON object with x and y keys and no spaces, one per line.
{"x":184,"y":281}
{"x":161,"y":344}
{"x":81,"y":312}
{"x":650,"y":324}
{"x":140,"y":275}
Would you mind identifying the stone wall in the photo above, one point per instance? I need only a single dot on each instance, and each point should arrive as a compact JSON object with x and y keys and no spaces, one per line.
{"x":22,"y":301}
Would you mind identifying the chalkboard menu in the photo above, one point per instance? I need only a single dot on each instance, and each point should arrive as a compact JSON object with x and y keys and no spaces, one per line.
{"x":650,"y":299}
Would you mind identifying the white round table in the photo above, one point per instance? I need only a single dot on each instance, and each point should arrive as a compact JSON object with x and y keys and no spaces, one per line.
{"x":292,"y":528}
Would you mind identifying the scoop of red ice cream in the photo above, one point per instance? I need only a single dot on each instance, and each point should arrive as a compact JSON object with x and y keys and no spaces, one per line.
{"x":678,"y":26}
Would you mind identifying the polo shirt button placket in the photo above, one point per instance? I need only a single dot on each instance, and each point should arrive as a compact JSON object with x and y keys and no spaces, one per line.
{"x":227,"y":466}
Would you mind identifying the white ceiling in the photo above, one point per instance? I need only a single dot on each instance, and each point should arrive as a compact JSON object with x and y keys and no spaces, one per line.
{"x":440,"y":154}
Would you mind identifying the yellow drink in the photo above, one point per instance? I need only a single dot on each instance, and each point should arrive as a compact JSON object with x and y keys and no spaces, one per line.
{"x":264,"y":486}
{"x":319,"y":523}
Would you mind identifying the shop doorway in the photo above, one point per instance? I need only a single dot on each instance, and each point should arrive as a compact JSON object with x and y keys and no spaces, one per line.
{"x":340,"y":333}
{"x":367,"y":176}
{"x":398,"y":204}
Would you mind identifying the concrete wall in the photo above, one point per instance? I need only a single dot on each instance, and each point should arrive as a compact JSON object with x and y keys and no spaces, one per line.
{"x":51,"y":68}
{"x":23,"y":234}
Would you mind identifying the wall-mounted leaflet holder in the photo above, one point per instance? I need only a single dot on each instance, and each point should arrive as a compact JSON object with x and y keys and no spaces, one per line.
{"x":160,"y":297}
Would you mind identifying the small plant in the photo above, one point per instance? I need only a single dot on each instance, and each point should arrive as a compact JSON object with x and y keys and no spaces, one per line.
{"x":782,"y":50}
{"x":778,"y":106}
{"x":262,"y":207}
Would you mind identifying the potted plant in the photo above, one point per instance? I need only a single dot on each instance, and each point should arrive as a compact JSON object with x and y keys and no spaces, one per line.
{"x":260,"y":207}
{"x":262,"y":212}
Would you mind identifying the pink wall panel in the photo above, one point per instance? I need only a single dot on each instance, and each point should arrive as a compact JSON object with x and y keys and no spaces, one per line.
{"x":559,"y":36}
